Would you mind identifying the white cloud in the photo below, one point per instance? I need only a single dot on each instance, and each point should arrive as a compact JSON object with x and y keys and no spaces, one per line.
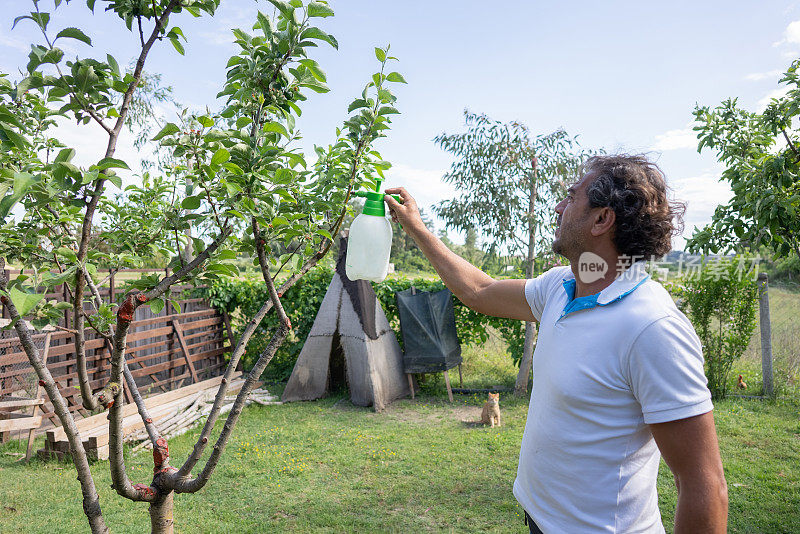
{"x":702,"y":194}
{"x":758,"y":76}
{"x":676,"y":139}
{"x":792,"y":34}
{"x":90,"y":142}
{"x":762,"y":104}
{"x":10,"y":42}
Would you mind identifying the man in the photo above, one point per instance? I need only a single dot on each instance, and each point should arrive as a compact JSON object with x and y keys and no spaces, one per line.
{"x":617,"y":371}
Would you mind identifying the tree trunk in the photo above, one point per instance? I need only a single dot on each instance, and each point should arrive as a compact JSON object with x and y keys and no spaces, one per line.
{"x":161,"y":514}
{"x":521,"y":386}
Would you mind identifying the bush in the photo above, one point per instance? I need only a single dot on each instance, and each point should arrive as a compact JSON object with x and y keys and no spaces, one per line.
{"x":241,"y":299}
{"x":721,"y":303}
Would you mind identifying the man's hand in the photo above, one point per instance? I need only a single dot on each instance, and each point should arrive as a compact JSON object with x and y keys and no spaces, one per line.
{"x":407,"y":213}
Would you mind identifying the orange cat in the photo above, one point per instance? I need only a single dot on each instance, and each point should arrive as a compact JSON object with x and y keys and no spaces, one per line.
{"x":491,"y":410}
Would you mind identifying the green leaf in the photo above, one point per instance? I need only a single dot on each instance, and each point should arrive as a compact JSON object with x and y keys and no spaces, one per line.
{"x":16,"y":139}
{"x":21,"y":17}
{"x":67,"y":253}
{"x":156,"y":305}
{"x":356,"y":104}
{"x":285,"y":9}
{"x":114,"y":179}
{"x":317,"y":9}
{"x":169,"y":129}
{"x":235,"y":169}
{"x":198,"y":244}
{"x":177,"y":45}
{"x":22,"y":182}
{"x":285,"y":195}
{"x":113,"y":64}
{"x":316,"y":33}
{"x":396,"y":77}
{"x":205,"y":121}
{"x":226,"y":255}
{"x":74,"y":33}
{"x":220,"y":156}
{"x":380,"y":54}
{"x":275,"y":127}
{"x":314,"y":68}
{"x":24,"y":302}
{"x":65,"y":154}
{"x":42,"y":19}
{"x":191,"y":203}
{"x":108,"y":163}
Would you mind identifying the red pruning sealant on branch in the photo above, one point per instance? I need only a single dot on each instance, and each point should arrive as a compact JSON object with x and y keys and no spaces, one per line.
{"x":160,"y":454}
{"x":128,"y":307}
{"x":145,"y":490}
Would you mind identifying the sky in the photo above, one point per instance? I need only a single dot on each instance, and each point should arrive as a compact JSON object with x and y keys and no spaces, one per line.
{"x":621,"y":76}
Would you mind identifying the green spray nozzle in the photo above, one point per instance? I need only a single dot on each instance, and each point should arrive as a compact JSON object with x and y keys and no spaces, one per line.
{"x":375,"y":202}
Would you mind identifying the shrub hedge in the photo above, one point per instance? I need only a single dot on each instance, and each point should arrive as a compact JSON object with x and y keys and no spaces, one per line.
{"x":241,"y":298}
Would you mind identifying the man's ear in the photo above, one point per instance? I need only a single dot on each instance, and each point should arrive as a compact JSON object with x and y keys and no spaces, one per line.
{"x":603,"y":221}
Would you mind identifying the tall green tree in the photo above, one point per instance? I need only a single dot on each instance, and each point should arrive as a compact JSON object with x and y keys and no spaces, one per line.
{"x":509,"y":180}
{"x":761,"y":153}
{"x":238,"y":181}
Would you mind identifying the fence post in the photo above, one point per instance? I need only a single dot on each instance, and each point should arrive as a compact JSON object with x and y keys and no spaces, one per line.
{"x":766,"y":334}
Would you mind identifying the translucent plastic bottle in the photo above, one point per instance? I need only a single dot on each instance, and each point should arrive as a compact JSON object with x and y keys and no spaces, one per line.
{"x":370,"y":240}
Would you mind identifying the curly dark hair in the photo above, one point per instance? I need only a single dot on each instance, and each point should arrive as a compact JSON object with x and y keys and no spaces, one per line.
{"x":636,"y":190}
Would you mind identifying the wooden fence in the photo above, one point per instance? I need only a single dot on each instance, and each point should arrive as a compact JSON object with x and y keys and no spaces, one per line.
{"x":165,"y":350}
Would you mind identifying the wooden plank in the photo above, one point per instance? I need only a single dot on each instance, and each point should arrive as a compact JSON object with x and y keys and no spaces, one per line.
{"x":193,"y":325}
{"x":151,"y":402}
{"x":157,"y":368}
{"x":189,"y":363}
{"x":167,"y":318}
{"x":147,"y":334}
{"x":227,"y":321}
{"x":69,"y":348}
{"x":20,"y":422}
{"x":19,"y":402}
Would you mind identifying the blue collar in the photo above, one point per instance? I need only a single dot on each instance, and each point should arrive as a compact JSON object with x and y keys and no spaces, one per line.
{"x":621,"y":287}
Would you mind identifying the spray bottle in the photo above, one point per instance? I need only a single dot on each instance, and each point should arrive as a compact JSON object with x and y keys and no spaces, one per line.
{"x":370,"y":239}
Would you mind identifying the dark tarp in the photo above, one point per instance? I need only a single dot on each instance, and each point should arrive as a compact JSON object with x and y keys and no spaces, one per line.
{"x":428,"y":325}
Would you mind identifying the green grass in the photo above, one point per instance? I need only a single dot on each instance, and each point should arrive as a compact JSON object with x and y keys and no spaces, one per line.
{"x":327,"y":466}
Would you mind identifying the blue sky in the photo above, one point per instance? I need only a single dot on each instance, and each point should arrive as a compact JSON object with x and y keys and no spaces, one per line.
{"x":623,"y":76}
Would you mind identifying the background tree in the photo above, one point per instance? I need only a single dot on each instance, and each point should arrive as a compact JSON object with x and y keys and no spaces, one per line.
{"x":721,"y":303}
{"x":237,"y":180}
{"x":762,"y":159}
{"x":405,"y":254}
{"x":509,"y":181}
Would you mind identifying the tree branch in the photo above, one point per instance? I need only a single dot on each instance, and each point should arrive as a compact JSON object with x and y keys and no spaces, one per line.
{"x":91,"y":501}
{"x":167,"y":281}
{"x":791,"y":145}
{"x":182,"y":484}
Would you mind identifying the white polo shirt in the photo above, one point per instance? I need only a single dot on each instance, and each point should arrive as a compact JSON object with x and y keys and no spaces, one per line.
{"x":605,"y":367}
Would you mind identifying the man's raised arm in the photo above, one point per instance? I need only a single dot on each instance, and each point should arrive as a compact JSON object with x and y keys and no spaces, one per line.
{"x":473,"y":287}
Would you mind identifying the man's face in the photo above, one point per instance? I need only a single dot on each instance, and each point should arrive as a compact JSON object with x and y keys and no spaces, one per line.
{"x":574,"y":220}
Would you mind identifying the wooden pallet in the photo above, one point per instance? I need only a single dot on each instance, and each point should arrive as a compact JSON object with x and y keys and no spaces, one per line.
{"x":94,"y":429}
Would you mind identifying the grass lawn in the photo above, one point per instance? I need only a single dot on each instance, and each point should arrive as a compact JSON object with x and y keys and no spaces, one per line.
{"x":328,"y":466}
